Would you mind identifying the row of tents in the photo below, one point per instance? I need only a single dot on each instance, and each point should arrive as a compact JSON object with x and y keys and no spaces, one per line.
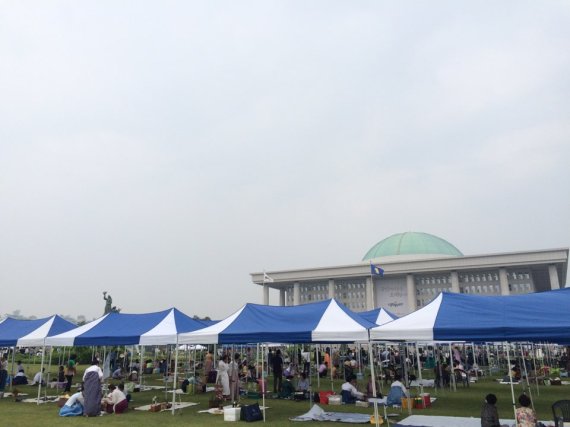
{"x":535,"y":317}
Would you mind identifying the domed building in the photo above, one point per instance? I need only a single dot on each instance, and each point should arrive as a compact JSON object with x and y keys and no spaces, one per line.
{"x":414,"y":268}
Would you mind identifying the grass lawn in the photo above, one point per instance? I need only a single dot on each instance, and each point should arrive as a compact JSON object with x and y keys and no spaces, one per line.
{"x":465,"y":402}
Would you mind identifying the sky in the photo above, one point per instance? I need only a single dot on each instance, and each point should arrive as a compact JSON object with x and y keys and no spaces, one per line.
{"x":164,"y":150}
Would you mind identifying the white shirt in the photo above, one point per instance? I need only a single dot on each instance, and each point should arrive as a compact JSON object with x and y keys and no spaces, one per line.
{"x":116,"y":396}
{"x":77,"y":397}
{"x":399,"y":384}
{"x":93,"y":368}
{"x":353,"y":391}
{"x":37,"y":378}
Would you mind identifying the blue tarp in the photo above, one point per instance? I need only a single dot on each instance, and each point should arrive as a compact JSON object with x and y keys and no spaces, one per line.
{"x":13,"y":330}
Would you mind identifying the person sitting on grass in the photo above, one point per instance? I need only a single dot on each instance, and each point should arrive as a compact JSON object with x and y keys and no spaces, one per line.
{"x":350,"y":393}
{"x":39,"y":378}
{"x":74,"y":405}
{"x":397,"y":392}
{"x":526,"y":417}
{"x":287,"y":389}
{"x":323,"y":369}
{"x":489,"y":413}
{"x":117,"y":375}
{"x":20,"y":378}
{"x":116,"y":401}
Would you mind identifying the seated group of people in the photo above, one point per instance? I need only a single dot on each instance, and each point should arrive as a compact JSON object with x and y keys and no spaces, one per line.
{"x":115,"y":402}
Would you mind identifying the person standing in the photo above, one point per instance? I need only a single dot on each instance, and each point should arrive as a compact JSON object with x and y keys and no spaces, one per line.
{"x":70,"y":371}
{"x":234,"y":378}
{"x":277,"y":366}
{"x":3,"y":375}
{"x":223,"y":378}
{"x":92,"y":389}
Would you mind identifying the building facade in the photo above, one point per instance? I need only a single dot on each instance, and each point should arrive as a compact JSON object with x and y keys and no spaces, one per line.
{"x":417,"y":267}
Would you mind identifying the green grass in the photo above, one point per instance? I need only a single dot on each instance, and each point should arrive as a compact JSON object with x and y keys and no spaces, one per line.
{"x":465,"y":402}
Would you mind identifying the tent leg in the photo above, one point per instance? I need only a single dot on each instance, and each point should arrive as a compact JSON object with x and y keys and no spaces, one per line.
{"x":511,"y":379}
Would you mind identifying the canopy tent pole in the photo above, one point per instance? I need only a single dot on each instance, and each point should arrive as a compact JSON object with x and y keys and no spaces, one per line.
{"x":526,"y":376}
{"x":263,"y":384}
{"x":194,"y":371}
{"x":420,"y":375}
{"x":359,"y":358}
{"x":331,"y":368}
{"x":535,"y":371}
{"x":476,"y":367}
{"x":318,"y":365}
{"x":12,"y":375}
{"x":175,"y":380}
{"x":41,"y":374}
{"x":48,"y":370}
{"x":374,"y":391}
{"x":452,"y":375}
{"x":511,"y":379}
{"x":142,"y":367}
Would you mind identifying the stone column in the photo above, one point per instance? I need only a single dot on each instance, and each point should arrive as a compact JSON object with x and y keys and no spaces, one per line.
{"x":296,"y":293}
{"x":553,"y":274}
{"x":265,"y":294}
{"x":331,"y":288}
{"x":410,"y":284}
{"x":455,"y":282}
{"x":504,"y":281}
{"x":369,"y":293}
{"x":281,"y":297}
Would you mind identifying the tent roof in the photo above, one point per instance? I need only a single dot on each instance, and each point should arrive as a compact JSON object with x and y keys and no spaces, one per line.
{"x":324,"y":321}
{"x":127,"y":329}
{"x":31,"y":333}
{"x":533,"y":317}
{"x":378,"y":316}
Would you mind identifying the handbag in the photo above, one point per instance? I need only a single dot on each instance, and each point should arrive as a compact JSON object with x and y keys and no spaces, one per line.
{"x":251,"y":413}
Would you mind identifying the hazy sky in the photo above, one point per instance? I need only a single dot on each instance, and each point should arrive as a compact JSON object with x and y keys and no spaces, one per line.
{"x":163,"y":150}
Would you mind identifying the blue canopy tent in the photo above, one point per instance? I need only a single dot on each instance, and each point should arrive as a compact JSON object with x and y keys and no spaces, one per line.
{"x":321,"y":322}
{"x":379,"y":316}
{"x":535,"y":317}
{"x":31,"y":333}
{"x":157,"y":328}
{"x":160,"y":328}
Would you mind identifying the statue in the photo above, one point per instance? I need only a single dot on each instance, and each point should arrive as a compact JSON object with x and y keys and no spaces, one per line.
{"x":108,"y":302}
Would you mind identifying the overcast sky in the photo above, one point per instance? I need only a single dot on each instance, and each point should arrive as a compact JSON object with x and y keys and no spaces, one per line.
{"x":164,"y":150}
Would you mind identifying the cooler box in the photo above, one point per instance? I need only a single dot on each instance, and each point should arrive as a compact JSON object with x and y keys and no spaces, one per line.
{"x":427,"y":399}
{"x":335,"y":399}
{"x":231,"y":414}
{"x":324,"y":397}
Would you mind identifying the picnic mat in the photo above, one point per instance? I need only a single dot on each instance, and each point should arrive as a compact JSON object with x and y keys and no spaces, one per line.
{"x":218,"y":411}
{"x":318,"y":414}
{"x":42,"y":399}
{"x":151,"y":387}
{"x":176,"y":406}
{"x":437,"y":421}
{"x":11,"y":395}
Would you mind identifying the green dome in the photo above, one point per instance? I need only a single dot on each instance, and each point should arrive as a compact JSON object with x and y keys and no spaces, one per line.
{"x":411,"y":243}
